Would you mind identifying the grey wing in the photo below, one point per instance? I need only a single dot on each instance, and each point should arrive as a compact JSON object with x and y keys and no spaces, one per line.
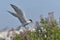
{"x":17,"y":10}
{"x":13,"y":14}
{"x":22,"y":20}
{"x":20,"y":14}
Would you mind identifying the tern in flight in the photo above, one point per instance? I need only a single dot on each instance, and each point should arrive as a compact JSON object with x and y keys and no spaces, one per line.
{"x":20,"y":15}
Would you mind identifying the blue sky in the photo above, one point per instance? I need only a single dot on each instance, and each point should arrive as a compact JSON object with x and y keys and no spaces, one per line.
{"x":32,"y":8}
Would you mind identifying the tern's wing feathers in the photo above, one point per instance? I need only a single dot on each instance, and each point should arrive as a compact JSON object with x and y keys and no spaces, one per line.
{"x":20,"y":14}
{"x":13,"y":14}
{"x":17,"y":10}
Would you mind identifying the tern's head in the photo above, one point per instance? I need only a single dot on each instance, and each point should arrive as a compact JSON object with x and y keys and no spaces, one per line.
{"x":30,"y":20}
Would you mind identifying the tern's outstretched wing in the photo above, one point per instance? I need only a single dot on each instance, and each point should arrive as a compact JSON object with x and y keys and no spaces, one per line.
{"x":17,"y":10}
{"x":20,"y":14}
{"x":13,"y":14}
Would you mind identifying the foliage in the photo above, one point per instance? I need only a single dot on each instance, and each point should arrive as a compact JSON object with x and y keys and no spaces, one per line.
{"x":45,"y":30}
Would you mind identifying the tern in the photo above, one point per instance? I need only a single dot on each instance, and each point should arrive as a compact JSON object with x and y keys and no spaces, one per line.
{"x":20,"y":15}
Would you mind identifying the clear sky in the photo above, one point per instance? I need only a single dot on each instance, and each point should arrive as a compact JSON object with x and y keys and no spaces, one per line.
{"x":32,"y":8}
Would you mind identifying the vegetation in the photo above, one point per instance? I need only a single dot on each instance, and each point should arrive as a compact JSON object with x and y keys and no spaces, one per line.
{"x":46,"y":29}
